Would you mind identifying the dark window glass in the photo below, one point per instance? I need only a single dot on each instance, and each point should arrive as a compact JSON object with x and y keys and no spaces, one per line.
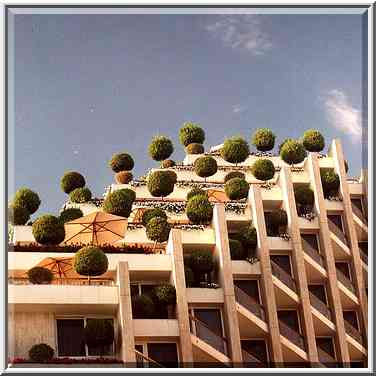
{"x":337,"y":220}
{"x":358,"y":364}
{"x":364,"y":247}
{"x":326,"y":344}
{"x":344,"y":267}
{"x":147,"y":289}
{"x":134,"y":290}
{"x":319,"y":292}
{"x":70,"y":337}
{"x":283,"y":261}
{"x":290,"y":318}
{"x":250,"y":287}
{"x":358,"y":203}
{"x":164,"y":353}
{"x":257,"y":348}
{"x":139,"y":348}
{"x":210,"y":317}
{"x":351,"y":318}
{"x":311,"y":239}
{"x":100,"y":350}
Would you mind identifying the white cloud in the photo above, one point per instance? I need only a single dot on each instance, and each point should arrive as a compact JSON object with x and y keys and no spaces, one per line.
{"x":238,"y":108}
{"x":241,"y":31}
{"x":342,"y":115}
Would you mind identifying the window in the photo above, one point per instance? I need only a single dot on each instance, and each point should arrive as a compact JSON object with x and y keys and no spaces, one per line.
{"x":257,"y":348}
{"x":319,"y":291}
{"x":312,"y":240}
{"x":250,"y":287}
{"x":357,"y":202}
{"x":283,"y":261}
{"x":352,"y":318}
{"x":163,"y":353}
{"x":337,"y":220}
{"x":326,"y":344}
{"x":364,"y":247}
{"x":70,"y":339}
{"x":290,"y":318}
{"x":344,"y":267}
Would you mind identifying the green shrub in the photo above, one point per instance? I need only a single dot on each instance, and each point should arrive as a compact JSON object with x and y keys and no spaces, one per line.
{"x":248,"y":236}
{"x":263,"y":139}
{"x":18,"y":215}
{"x":196,"y":191}
{"x":173,"y":175}
{"x":205,"y":166}
{"x":234,"y":174}
{"x":160,"y":183}
{"x":236,"y":250}
{"x":313,"y":140}
{"x":70,"y":214}
{"x":39,"y":275}
{"x":276,"y":222}
{"x":48,"y":229}
{"x":72,"y":180}
{"x":263,"y":169}
{"x":329,"y":181}
{"x":168,"y":163}
{"x":90,"y":261}
{"x":235,"y":150}
{"x":27,"y":199}
{"x":41,"y":353}
{"x":282,"y":143}
{"x":160,"y":148}
{"x":201,"y":262}
{"x":191,"y":133}
{"x":199,"y":210}
{"x":165,"y":294}
{"x":304,"y":195}
{"x":123,"y":177}
{"x":99,"y":333}
{"x":121,"y":162}
{"x":195,"y":148}
{"x":236,"y":189}
{"x":142,"y":306}
{"x":158,"y":229}
{"x":152,"y":213}
{"x":293,"y":152}
{"x":119,"y":202}
{"x":189,"y":276}
{"x":80,"y":195}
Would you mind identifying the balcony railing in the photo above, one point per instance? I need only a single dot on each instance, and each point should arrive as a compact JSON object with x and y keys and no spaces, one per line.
{"x":358,"y":213}
{"x":337,"y":231}
{"x":353,"y":332}
{"x":320,"y":306}
{"x":283,"y":276}
{"x":249,"y":303}
{"x":202,"y":331}
{"x":66,"y":281}
{"x":143,"y":361}
{"x":326,"y":359}
{"x":292,"y":335}
{"x":345,"y":281}
{"x":312,"y":252}
{"x":251,"y":361}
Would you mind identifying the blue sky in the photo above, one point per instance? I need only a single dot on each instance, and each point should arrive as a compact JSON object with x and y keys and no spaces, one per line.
{"x":88,"y":86}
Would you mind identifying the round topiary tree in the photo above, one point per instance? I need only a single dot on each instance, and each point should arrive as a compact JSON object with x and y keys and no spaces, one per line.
{"x":121,"y":162}
{"x":168,"y":163}
{"x":282,"y":143}
{"x":235,"y":150}
{"x":173,"y":175}
{"x":27,"y":199}
{"x":293,"y":152}
{"x":123,"y":177}
{"x":48,"y":229}
{"x":236,"y":250}
{"x":304,"y":198}
{"x":165,"y":294}
{"x":330,"y":182}
{"x":236,"y":189}
{"x":119,"y":202}
{"x":201,"y":263}
{"x":194,"y":148}
{"x":313,"y":140}
{"x":90,"y":261}
{"x":160,"y":183}
{"x":248,"y":236}
{"x":196,"y":191}
{"x":72,"y":180}
{"x":80,"y":195}
{"x":205,"y":166}
{"x":276,"y":222}
{"x":41,"y":353}
{"x":160,"y":148}
{"x":99,"y":333}
{"x":191,"y":133}
{"x":39,"y":275}
{"x":263,"y":139}
{"x":152,"y":213}
{"x":199,"y":210}
{"x":263,"y":169}
{"x":158,"y":230}
{"x":70,"y":214}
{"x":143,"y":306}
{"x":189,"y":276}
{"x":18,"y":215}
{"x":234,"y":174}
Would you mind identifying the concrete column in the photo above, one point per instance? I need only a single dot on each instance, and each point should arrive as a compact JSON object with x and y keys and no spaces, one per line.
{"x":175,"y":249}
{"x":222,"y":254}
{"x":299,"y":263}
{"x":314,"y":172}
{"x":269,"y":300}
{"x":337,"y":153}
{"x":127,"y":349}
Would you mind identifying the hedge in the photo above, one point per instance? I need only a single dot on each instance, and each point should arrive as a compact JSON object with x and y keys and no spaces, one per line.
{"x":90,"y":261}
{"x":330,"y":182}
{"x":80,"y":195}
{"x":165,"y":294}
{"x":304,"y":195}
{"x":191,"y":133}
{"x":158,"y":229}
{"x":236,"y":189}
{"x":234,"y":174}
{"x":196,"y":191}
{"x":199,"y":210}
{"x":263,"y":169}
{"x":263,"y":139}
{"x":160,"y":183}
{"x":119,"y":202}
{"x":236,"y":250}
{"x":313,"y":140}
{"x":235,"y":150}
{"x":121,"y":162}
{"x":160,"y":148}
{"x":39,"y":275}
{"x":123,"y":177}
{"x":205,"y":166}
{"x":293,"y":152}
{"x":195,"y":148}
{"x":152,"y":213}
{"x":41,"y":353}
{"x":70,"y":214}
{"x":72,"y":180}
{"x":48,"y":229}
{"x":27,"y":199}
{"x":18,"y":215}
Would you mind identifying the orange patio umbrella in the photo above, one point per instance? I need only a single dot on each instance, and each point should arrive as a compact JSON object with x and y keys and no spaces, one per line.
{"x":61,"y":267}
{"x":96,"y":228}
